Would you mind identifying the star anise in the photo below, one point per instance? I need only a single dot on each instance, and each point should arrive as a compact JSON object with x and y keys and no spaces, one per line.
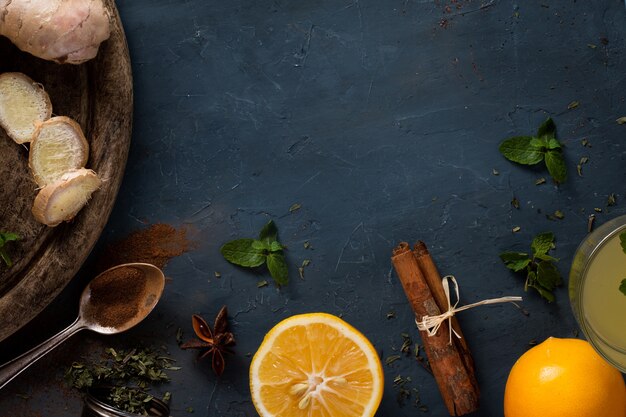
{"x":214,"y":342}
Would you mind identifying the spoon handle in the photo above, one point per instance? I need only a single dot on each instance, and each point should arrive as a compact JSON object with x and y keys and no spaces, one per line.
{"x":14,"y":367}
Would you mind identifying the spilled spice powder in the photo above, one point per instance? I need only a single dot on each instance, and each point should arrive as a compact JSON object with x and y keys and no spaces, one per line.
{"x":114,"y":296}
{"x":155,"y":245}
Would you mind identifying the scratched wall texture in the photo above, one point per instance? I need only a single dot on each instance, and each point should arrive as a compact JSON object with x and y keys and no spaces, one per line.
{"x":382,"y":119}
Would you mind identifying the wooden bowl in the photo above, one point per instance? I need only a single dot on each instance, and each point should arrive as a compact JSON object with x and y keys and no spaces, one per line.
{"x":99,"y":96}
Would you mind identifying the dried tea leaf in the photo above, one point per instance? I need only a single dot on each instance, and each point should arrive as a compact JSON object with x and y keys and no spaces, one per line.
{"x":590,"y":221}
{"x":391,"y":359}
{"x":611,"y":200}
{"x":295,"y":207}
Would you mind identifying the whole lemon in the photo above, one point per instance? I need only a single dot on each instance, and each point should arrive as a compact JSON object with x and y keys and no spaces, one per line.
{"x":564,"y":378}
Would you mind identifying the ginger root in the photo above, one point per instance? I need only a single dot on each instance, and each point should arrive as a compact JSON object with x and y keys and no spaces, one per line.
{"x":64,"y":31}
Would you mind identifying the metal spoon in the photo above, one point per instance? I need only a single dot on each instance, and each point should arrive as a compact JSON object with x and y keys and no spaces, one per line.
{"x":155,"y":281}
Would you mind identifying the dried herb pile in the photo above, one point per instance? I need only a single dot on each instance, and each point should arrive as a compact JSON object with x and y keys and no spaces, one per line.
{"x":131,"y":373}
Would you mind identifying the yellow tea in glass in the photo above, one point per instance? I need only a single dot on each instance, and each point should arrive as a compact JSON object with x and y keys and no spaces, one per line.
{"x":598,"y":268}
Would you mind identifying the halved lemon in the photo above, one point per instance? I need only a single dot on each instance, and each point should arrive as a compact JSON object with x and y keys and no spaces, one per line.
{"x":316,"y":364}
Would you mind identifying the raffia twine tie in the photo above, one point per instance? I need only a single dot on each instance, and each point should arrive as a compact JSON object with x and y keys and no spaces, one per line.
{"x":431,"y":324}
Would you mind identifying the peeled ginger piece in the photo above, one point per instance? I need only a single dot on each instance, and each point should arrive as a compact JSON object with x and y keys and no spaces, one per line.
{"x":23,"y":104}
{"x":61,"y":200}
{"x":58,"y":146}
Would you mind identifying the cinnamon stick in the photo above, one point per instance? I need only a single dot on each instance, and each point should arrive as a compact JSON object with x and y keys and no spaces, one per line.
{"x":433,"y":279}
{"x":449,"y":370}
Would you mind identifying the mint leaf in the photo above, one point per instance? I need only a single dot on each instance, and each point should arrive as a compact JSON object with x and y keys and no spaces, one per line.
{"x":544,"y":257}
{"x":556,"y":166}
{"x":622,"y":241}
{"x":530,"y":150}
{"x":275,"y":246}
{"x":519,"y":149}
{"x":261,"y":245}
{"x":6,"y":237}
{"x":554,"y":144}
{"x":622,"y":286}
{"x":278,"y":268}
{"x":269,"y":233}
{"x":548,"y":276}
{"x":539,"y":143}
{"x":542,"y":243}
{"x":241,"y":252}
{"x":543,"y":292}
{"x":256,"y":252}
{"x":515,"y":260}
{"x":547,"y":129}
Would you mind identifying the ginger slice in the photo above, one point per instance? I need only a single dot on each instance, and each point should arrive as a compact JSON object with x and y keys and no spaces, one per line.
{"x":58,"y":146}
{"x":23,"y":104}
{"x":61,"y":200}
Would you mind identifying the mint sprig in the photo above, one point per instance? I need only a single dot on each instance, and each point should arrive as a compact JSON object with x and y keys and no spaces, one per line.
{"x":541,"y":271}
{"x":531,"y":150}
{"x":6,"y":237}
{"x":252,"y":253}
{"x":622,"y":286}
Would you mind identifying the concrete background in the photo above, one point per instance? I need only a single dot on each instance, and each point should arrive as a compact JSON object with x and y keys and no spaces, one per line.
{"x":382,"y":119}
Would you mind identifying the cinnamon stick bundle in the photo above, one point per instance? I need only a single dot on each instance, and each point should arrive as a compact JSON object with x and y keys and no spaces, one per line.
{"x":433,"y":279}
{"x":456,"y":382}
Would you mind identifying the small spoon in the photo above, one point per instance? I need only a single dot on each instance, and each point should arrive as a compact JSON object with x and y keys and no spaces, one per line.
{"x":92,"y":317}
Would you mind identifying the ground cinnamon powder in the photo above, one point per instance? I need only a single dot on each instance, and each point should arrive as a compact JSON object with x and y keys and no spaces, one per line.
{"x":155,"y":245}
{"x":116,"y":296}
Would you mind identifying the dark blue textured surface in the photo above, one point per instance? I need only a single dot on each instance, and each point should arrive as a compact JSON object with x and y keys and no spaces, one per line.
{"x":382,"y":119}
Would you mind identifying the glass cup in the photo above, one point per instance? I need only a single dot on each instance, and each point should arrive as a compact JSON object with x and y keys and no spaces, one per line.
{"x":598,"y":267}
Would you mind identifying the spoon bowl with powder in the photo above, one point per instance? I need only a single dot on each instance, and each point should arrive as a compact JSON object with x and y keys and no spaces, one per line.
{"x":114,"y":301}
